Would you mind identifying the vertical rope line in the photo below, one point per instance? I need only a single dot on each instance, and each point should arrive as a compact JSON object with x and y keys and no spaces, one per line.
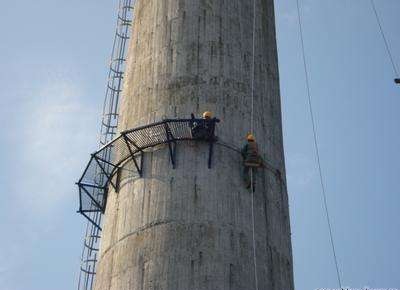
{"x":384,"y":39}
{"x":251,"y":130}
{"x":253,"y":229}
{"x":316,"y":146}
{"x":253,"y":68}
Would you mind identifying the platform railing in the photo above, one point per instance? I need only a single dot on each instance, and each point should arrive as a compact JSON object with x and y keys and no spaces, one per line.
{"x":130,"y":145}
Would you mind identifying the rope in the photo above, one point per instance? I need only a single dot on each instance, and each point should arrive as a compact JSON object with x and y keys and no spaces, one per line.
{"x":253,"y":69}
{"x":316,"y":146}
{"x":253,"y":229}
{"x":251,"y":130}
{"x":232,"y":147}
{"x":384,"y":39}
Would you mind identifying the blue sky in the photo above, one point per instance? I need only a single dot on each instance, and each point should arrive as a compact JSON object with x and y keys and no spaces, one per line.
{"x":54,"y":56}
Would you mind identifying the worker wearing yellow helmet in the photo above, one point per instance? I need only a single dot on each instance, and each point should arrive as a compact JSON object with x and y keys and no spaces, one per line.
{"x":207,"y":115}
{"x":250,"y":138}
{"x":203,"y":129}
{"x":251,"y":159}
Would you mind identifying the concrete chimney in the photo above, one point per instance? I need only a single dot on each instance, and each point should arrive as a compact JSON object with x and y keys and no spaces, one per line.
{"x":191,"y":228}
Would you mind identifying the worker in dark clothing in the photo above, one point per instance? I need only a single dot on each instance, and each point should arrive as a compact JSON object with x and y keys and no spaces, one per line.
{"x":203,"y":129}
{"x":251,"y":160}
{"x":397,"y":81}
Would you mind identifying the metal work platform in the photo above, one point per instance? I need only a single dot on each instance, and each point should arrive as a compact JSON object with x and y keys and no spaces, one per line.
{"x":130,"y":145}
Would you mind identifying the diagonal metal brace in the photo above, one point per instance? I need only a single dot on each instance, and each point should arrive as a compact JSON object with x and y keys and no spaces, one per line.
{"x":109,"y":178}
{"x":139,"y":167}
{"x":90,"y":220}
{"x":82,"y":187}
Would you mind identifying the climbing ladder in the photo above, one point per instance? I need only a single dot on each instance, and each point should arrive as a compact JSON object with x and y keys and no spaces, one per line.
{"x":108,"y":130}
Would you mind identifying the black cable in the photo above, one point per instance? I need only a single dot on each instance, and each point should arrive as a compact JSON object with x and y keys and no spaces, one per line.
{"x":316,"y":146}
{"x":385,"y":39}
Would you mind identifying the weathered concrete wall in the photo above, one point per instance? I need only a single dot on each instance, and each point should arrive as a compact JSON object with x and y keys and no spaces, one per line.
{"x":191,"y":228}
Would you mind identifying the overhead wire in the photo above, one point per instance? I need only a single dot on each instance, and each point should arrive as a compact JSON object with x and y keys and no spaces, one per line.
{"x":315,"y":137}
{"x":395,"y":70}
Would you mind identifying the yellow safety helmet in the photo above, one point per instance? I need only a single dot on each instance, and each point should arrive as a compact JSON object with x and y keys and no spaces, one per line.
{"x":250,"y":137}
{"x":207,"y":115}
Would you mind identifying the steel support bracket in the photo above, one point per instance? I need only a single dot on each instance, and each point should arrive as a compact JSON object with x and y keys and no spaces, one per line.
{"x":210,"y":153}
{"x":212,"y":140}
{"x":171,"y":145}
{"x":139,"y":167}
